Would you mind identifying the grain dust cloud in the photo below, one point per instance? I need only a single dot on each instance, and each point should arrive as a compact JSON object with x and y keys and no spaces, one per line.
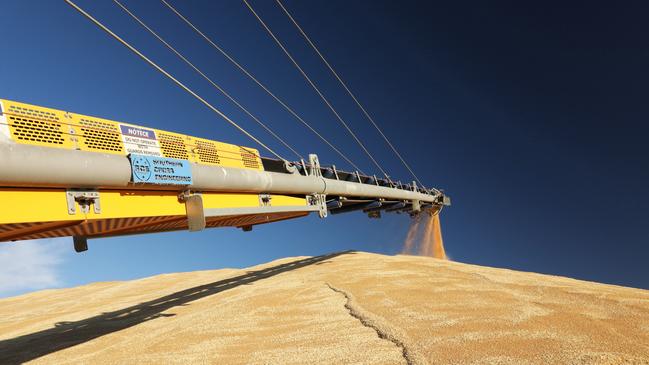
{"x":425,"y":237}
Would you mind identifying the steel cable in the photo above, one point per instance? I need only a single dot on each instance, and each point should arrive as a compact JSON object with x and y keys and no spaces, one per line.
{"x":168,"y":75}
{"x":367,"y":115}
{"x":171,"y":48}
{"x":261,"y":85}
{"x":324,"y":99}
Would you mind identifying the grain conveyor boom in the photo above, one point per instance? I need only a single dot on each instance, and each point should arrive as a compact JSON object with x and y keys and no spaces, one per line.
{"x":67,"y":174}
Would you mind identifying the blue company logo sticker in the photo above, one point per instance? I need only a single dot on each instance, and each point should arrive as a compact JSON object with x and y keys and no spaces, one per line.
{"x":160,"y":170}
{"x":141,"y":167}
{"x":137,"y":132}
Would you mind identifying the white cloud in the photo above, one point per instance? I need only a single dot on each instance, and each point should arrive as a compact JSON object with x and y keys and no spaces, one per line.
{"x":31,"y":265}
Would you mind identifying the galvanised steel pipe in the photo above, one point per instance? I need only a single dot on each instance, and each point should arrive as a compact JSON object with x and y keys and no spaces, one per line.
{"x":217,"y":177}
{"x":34,"y":166}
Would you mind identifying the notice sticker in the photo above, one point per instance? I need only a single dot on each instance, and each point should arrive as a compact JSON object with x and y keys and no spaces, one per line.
{"x":160,"y":170}
{"x":140,"y":141}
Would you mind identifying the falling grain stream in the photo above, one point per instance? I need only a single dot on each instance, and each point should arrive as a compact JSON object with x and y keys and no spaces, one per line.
{"x":425,"y":237}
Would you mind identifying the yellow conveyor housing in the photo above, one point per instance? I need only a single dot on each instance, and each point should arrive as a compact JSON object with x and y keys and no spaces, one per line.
{"x":38,"y":126}
{"x":30,"y":213}
{"x":67,"y":174}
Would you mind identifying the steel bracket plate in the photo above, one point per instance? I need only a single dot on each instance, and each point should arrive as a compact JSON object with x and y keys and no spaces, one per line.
{"x":315,"y":165}
{"x":84,"y":198}
{"x":320,"y":201}
{"x":194,"y":210}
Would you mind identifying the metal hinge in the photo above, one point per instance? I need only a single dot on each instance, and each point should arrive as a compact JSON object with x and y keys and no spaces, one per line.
{"x":84,"y":198}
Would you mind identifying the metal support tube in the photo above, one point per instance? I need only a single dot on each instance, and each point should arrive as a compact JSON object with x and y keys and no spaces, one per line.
{"x":25,"y":165}
{"x":33,"y":166}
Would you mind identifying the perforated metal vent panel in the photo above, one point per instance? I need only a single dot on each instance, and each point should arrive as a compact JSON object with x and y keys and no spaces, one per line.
{"x":35,"y":125}
{"x":173,"y":146}
{"x":207,"y":152}
{"x":99,"y":140}
{"x":100,"y":136}
{"x":28,"y":112}
{"x":36,"y":131}
{"x":249,"y":158}
{"x":96,"y":124}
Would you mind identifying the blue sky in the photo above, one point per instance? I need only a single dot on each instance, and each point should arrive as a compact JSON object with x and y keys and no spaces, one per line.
{"x":532,"y":117}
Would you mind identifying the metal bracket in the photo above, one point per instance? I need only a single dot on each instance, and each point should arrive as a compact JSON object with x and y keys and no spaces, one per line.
{"x":416,"y":206}
{"x":306,"y":173}
{"x":84,"y":198}
{"x":194,"y":210}
{"x":375,"y":214}
{"x":264,"y":200}
{"x":80,"y":243}
{"x":319,"y":200}
{"x":290,"y":168}
{"x":315,"y":165}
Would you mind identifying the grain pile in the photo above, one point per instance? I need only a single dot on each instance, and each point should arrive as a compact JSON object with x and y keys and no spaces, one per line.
{"x":349,"y":308}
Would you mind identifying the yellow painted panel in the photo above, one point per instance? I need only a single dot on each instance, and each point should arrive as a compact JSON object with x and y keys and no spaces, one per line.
{"x":115,"y":204}
{"x":34,"y":125}
{"x":21,"y":206}
{"x":96,"y":134}
{"x":46,"y":205}
{"x":134,"y":203}
{"x":175,"y":145}
{"x":40,"y":126}
{"x":283,"y":200}
{"x":230,"y":200}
